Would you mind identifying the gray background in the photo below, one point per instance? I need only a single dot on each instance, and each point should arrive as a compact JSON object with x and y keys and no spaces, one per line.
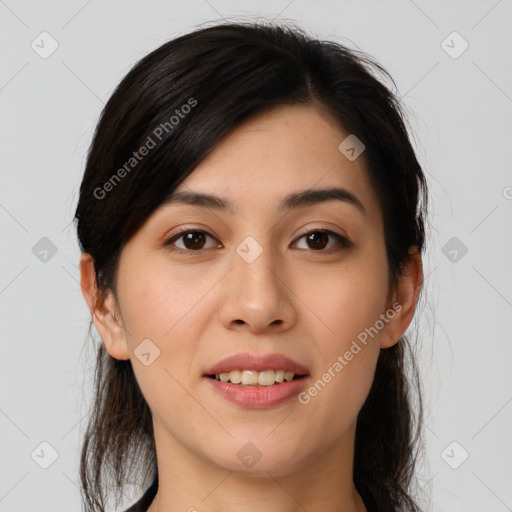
{"x":461,"y":106}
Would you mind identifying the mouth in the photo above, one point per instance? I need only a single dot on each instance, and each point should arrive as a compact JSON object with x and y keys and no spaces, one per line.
{"x":255,"y":378}
{"x":263,"y":389}
{"x":256,"y":381}
{"x":257,"y":370}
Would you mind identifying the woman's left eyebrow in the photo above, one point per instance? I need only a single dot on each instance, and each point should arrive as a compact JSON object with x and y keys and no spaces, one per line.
{"x":297,"y":199}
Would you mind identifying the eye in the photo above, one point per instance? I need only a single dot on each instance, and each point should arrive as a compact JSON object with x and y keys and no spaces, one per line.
{"x":194,"y":240}
{"x":317,"y":240}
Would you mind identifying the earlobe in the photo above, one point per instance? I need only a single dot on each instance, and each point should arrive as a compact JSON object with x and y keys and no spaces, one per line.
{"x":103,"y":312}
{"x":404,"y":299}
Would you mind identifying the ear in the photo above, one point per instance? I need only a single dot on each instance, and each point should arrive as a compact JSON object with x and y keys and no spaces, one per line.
{"x":403,"y":299}
{"x":104,"y":315}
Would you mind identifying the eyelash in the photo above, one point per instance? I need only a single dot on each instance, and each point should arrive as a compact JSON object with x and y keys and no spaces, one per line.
{"x":343,"y":241}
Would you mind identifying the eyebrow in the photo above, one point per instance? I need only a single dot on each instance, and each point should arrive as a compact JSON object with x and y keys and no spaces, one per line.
{"x":298,"y":199}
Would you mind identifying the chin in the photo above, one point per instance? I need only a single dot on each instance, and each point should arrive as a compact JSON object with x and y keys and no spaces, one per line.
{"x":258,"y":458}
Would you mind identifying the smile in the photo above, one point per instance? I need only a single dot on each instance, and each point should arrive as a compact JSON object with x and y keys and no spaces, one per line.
{"x":255,"y":378}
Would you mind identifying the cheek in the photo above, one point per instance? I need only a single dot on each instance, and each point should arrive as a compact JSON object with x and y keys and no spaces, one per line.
{"x":158,"y":301}
{"x":349,"y":301}
{"x":348,"y":298}
{"x":160,"y":313}
{"x":336,"y":395}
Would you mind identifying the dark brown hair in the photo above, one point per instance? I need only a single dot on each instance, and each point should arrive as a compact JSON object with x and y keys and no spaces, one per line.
{"x":227,"y":73}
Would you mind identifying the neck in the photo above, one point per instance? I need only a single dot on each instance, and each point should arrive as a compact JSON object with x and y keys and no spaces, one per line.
{"x":193,"y":484}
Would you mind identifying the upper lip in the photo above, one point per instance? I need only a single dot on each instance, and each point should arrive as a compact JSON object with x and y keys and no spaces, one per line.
{"x":245,"y":361}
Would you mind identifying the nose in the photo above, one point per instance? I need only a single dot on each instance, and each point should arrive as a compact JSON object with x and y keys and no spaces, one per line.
{"x":258,"y":295}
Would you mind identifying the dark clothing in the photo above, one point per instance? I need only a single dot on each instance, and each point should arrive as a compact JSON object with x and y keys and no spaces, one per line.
{"x":143,"y":504}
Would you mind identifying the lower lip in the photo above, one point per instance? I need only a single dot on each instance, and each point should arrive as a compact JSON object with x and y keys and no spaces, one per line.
{"x":263,"y":397}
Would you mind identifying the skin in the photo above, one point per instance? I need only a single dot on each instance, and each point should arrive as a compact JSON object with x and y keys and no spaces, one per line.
{"x":200,"y":308}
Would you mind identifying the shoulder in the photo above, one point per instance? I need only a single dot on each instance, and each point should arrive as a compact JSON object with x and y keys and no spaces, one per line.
{"x":145,"y":501}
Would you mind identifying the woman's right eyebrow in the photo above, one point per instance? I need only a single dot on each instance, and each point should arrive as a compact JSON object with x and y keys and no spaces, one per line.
{"x":297,"y":199}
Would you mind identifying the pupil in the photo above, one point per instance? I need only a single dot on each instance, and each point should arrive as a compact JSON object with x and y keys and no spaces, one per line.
{"x":314,"y":238}
{"x":192,"y":237}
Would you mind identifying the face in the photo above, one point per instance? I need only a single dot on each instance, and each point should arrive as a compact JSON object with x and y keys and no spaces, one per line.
{"x":200,"y":283}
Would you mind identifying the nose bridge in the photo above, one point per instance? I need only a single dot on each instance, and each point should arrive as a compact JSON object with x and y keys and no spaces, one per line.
{"x":254,"y":261}
{"x":256,"y":295}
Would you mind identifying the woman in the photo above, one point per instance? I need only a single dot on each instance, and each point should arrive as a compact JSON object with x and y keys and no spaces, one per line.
{"x":251,"y":220}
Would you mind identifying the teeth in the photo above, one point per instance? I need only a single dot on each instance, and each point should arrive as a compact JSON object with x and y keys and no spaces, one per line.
{"x":254,"y":378}
{"x":249,"y":378}
{"x":289,"y":376}
{"x":235,"y":377}
{"x":280,"y":374}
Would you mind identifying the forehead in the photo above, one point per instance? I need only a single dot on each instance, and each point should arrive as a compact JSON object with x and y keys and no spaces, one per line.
{"x":271,"y":158}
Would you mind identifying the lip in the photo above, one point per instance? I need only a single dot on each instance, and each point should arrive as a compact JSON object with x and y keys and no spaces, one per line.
{"x":245,"y":361}
{"x":264,"y":397}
